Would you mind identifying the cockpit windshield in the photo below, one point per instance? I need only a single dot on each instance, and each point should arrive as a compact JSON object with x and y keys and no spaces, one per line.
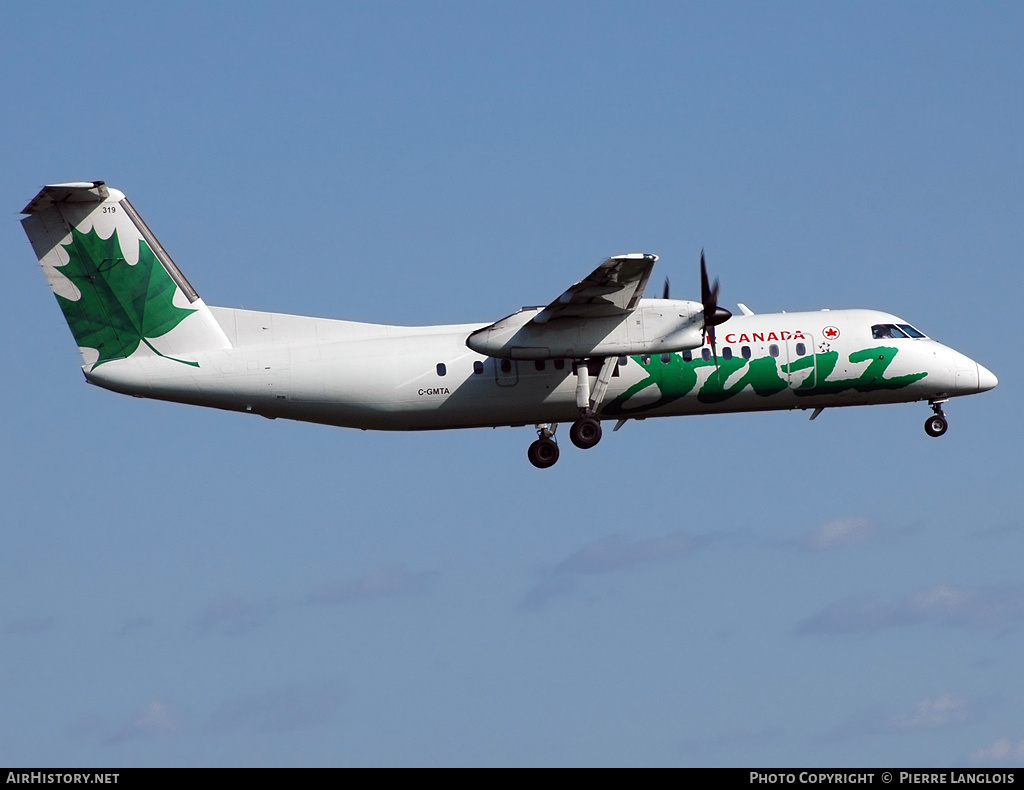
{"x":911,"y":331}
{"x":884,"y":331}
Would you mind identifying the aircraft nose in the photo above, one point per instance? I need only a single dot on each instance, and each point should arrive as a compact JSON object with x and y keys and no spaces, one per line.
{"x":986,"y":379}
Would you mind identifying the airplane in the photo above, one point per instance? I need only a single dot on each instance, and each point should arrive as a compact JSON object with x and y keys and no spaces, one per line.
{"x":599,"y":352}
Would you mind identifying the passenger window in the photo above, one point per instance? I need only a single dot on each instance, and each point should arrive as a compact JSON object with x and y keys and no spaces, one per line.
{"x":773,"y":350}
{"x":539,"y":364}
{"x":645,"y":359}
{"x":623,"y":360}
{"x":801,"y":349}
{"x":746,"y":352}
{"x":727,"y":353}
{"x":687,"y":356}
{"x":666,"y":358}
{"x":559,"y":364}
{"x":705,"y":354}
{"x":441,"y":369}
{"x":478,"y":367}
{"x":506,"y":366}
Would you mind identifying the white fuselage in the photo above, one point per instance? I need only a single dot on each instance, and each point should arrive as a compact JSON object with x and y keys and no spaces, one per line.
{"x":375,"y":376}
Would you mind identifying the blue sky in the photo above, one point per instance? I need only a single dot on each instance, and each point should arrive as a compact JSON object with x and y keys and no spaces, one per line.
{"x":189,"y":587}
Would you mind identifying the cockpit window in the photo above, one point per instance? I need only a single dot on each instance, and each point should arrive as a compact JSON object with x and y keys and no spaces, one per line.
{"x":883,"y":331}
{"x":910,"y":330}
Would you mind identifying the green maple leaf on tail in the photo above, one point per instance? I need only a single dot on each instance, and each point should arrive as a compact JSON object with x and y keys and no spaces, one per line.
{"x":121,"y":305}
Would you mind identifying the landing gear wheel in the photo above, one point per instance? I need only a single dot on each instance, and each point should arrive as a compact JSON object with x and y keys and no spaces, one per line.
{"x":543,"y":453}
{"x":935,"y":425}
{"x":585,"y":432}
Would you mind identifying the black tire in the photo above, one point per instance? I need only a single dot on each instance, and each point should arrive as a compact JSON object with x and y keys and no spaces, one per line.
{"x":543,"y":453}
{"x":585,"y":432}
{"x":935,"y":425}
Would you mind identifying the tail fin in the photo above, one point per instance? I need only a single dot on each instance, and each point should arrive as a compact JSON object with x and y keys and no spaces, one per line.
{"x":119,"y":289}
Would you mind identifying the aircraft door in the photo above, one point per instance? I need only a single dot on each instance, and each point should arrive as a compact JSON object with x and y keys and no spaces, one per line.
{"x":802,"y":364}
{"x":506,"y":374}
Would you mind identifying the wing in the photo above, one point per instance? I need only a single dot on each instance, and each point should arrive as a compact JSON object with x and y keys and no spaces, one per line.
{"x":613,"y":288}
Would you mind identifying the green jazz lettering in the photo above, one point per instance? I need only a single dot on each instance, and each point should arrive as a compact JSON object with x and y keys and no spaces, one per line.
{"x":764,"y":375}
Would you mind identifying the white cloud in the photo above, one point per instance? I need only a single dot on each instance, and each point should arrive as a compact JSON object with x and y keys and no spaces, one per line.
{"x":606,"y":555}
{"x":992,"y":606}
{"x":156,"y":718}
{"x":551,"y":585}
{"x":1004,"y":751}
{"x":844,"y":532}
{"x":378,"y":583}
{"x":277,"y":710}
{"x":230,"y":615}
{"x":931,"y":713}
{"x":135,"y":624}
{"x":30,"y":625}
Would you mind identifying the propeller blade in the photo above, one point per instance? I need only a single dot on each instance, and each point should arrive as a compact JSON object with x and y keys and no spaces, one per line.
{"x":665,"y":292}
{"x":706,"y":296}
{"x":713,"y":314}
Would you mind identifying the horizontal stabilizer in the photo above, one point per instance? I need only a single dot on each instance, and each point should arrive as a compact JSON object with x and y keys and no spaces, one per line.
{"x":86,"y":192}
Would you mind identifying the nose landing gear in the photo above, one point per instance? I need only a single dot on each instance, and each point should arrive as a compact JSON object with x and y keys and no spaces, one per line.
{"x":936,"y":425}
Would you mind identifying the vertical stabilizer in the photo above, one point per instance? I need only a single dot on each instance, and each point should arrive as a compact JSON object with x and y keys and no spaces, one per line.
{"x":118,"y":288}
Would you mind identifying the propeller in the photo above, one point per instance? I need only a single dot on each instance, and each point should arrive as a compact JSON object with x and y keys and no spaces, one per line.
{"x":713,"y":314}
{"x":664,"y":294}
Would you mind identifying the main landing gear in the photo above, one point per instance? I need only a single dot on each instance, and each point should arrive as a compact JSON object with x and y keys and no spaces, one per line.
{"x":586,"y":431}
{"x":544,"y":452}
{"x":936,"y":425}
